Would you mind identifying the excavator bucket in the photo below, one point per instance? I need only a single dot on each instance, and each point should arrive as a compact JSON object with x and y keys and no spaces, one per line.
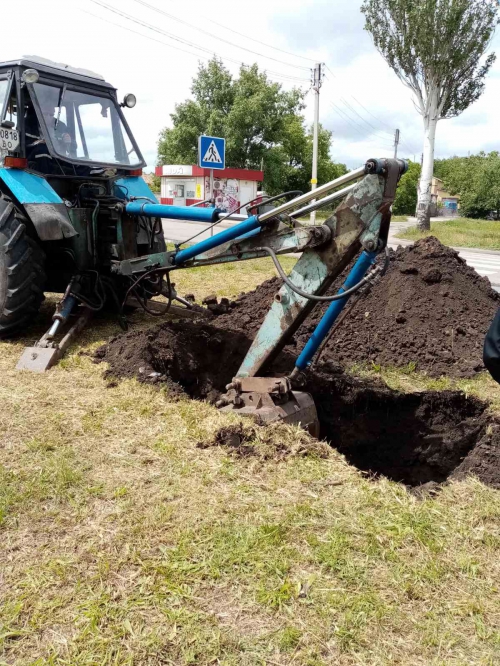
{"x":271,"y":399}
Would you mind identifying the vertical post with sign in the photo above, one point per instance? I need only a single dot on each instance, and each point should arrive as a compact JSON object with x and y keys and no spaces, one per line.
{"x":211,"y":155}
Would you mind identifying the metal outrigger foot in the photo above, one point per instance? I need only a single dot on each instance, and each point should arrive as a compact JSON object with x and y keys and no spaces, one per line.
{"x":47,"y":352}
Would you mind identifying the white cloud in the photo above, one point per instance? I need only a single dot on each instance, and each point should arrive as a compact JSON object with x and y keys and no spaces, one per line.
{"x":329,"y":30}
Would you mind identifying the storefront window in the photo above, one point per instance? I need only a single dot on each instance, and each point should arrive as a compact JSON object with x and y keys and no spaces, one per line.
{"x":176,"y":190}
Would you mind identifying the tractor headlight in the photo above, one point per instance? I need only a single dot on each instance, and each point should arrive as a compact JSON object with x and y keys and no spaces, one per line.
{"x":129,"y":101}
{"x":30,"y":76}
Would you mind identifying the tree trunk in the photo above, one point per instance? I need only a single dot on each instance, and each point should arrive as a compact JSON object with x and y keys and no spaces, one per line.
{"x":425,"y":184}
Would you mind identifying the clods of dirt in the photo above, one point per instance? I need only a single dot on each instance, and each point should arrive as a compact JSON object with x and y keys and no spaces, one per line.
{"x":245,"y":440}
{"x":430,"y":312}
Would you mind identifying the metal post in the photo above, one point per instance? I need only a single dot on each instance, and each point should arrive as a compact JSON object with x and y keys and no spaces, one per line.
{"x":396,"y":144}
{"x":316,"y":87}
{"x":212,"y":194}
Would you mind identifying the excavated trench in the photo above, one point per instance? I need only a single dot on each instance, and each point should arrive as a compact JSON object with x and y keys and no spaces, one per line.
{"x":410,"y":438}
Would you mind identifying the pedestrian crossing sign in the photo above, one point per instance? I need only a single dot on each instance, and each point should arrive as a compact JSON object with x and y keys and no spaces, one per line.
{"x":211,"y":152}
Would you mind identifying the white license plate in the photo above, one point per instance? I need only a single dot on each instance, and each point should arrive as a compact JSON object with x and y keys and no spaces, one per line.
{"x":9,"y":139}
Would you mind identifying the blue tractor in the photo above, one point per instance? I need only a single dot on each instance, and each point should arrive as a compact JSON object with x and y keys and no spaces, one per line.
{"x":68,"y":159}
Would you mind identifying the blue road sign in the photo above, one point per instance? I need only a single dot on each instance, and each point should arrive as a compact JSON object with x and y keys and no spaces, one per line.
{"x":211,"y":152}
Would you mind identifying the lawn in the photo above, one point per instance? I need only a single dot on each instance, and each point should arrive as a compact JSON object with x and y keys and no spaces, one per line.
{"x":462,"y":232}
{"x":124,"y":543}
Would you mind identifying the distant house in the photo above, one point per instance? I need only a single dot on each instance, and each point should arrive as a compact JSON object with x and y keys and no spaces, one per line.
{"x":149,"y":178}
{"x":443,"y":203}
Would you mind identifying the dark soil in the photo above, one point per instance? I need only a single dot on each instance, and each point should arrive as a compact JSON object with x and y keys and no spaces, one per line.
{"x":430,"y":310}
{"x":484,"y":459}
{"x":412,"y":438}
{"x":245,"y":440}
{"x":193,"y":358}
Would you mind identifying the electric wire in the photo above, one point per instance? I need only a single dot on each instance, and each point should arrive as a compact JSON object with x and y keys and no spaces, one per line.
{"x":364,"y":107}
{"x":199,"y":57}
{"x":257,"y":41}
{"x":205,"y":32}
{"x":212,"y":53}
{"x":359,"y":128}
{"x":379,"y":129}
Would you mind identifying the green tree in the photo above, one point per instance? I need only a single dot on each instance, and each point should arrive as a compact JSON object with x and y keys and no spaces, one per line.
{"x":477,"y":180}
{"x":435,"y":47}
{"x":405,"y":202}
{"x":261,"y":122}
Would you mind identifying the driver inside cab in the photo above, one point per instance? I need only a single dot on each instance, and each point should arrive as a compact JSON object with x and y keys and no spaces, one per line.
{"x":58,"y":130}
{"x":37,"y":150}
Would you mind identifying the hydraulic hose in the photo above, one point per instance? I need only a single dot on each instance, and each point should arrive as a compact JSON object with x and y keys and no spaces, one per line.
{"x":325,"y":299}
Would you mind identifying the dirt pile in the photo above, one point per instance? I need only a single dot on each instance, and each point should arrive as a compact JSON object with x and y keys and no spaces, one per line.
{"x":192,"y":358}
{"x":430,"y":310}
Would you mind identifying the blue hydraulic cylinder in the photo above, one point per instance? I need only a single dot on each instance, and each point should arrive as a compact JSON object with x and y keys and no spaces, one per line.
{"x":219,"y":239}
{"x":173,"y":212}
{"x":365,"y":260}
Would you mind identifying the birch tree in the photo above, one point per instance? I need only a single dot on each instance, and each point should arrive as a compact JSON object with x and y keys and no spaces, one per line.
{"x":436,"y":48}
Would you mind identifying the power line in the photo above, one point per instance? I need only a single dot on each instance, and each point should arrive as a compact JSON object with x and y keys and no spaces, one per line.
{"x":364,"y":107}
{"x":257,"y":41}
{"x":355,"y":122}
{"x":148,"y":26}
{"x":361,"y":117}
{"x":359,"y":128}
{"x":170,"y":46}
{"x":373,"y":130}
{"x":217,"y":37}
{"x":372,"y":115}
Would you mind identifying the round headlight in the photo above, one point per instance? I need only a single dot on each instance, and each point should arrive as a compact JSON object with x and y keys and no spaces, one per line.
{"x":30,"y":76}
{"x":130,"y":101}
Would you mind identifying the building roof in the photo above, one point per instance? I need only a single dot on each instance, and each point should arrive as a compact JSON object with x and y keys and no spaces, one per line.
{"x":187,"y":170}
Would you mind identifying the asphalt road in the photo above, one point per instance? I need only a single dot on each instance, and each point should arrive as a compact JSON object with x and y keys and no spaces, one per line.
{"x":485,"y":262}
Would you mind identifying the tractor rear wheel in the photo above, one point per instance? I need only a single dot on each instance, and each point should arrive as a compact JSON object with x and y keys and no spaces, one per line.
{"x":22,"y":276}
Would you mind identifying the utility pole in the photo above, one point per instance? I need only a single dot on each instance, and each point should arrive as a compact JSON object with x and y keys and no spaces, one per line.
{"x":316,"y":85}
{"x":396,"y":143}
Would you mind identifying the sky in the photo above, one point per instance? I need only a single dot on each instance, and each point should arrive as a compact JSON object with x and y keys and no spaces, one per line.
{"x":153,"y":48}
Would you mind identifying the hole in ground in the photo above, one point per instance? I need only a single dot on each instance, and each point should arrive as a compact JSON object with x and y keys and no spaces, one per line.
{"x":409,"y":438}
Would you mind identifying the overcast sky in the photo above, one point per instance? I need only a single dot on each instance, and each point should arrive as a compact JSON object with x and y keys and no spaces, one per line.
{"x":362,"y":101}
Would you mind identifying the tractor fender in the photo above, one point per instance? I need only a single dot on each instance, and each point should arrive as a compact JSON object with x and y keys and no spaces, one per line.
{"x":41,"y":203}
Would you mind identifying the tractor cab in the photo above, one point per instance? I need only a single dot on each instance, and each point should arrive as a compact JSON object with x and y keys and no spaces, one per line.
{"x":61,"y":121}
{"x":68,"y":164}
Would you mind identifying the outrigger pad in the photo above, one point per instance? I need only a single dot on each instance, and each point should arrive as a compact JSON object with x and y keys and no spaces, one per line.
{"x":38,"y":359}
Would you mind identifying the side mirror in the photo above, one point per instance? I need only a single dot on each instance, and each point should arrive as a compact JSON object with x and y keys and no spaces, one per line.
{"x":8,"y":124}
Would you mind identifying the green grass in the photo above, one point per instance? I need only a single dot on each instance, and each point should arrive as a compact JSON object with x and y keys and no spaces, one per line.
{"x":462,"y":232}
{"x":124,"y":543}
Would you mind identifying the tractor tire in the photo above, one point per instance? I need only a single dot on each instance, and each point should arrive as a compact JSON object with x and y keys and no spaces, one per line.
{"x":22,"y":276}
